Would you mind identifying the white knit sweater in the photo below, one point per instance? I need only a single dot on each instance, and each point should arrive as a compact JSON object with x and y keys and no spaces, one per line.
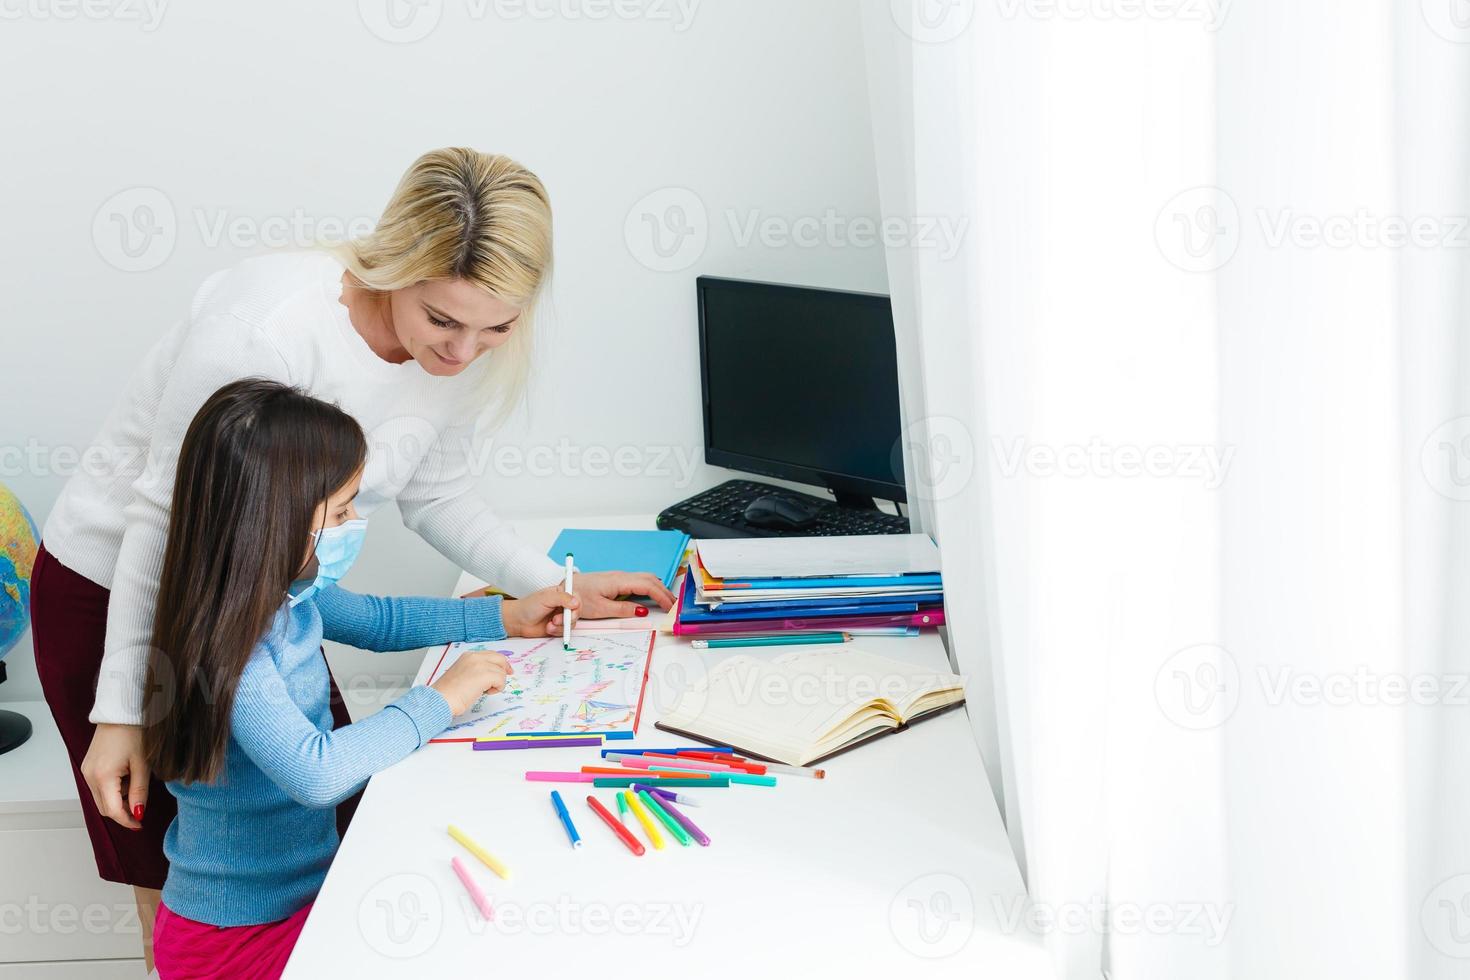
{"x":279,"y":317}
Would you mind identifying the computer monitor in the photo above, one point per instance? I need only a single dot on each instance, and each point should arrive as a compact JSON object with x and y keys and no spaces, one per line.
{"x":801,"y":384}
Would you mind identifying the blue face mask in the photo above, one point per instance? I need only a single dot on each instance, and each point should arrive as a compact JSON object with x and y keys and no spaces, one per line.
{"x":336,"y":549}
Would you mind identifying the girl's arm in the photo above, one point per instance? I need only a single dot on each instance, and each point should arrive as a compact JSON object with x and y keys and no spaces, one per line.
{"x":317,"y":768}
{"x":406,"y":623}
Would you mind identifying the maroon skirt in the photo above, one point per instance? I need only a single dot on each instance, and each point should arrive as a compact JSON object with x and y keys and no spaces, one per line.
{"x":68,"y":625}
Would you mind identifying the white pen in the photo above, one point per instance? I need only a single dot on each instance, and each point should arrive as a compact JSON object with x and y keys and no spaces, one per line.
{"x":566,"y":615}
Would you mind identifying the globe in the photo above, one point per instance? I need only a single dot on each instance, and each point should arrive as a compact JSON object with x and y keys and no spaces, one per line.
{"x":18,"y":538}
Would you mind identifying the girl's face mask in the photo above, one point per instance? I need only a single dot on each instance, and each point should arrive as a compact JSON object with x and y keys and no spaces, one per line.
{"x":335,"y":550}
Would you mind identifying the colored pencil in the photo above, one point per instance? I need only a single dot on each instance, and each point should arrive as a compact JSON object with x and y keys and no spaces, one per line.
{"x":477,"y":894}
{"x":486,"y":858}
{"x":654,"y":837}
{"x":678,"y":832}
{"x":615,"y":824}
{"x":783,"y":640}
{"x":684,"y":821}
{"x":536,"y":743}
{"x":566,"y":819}
{"x":542,"y":776}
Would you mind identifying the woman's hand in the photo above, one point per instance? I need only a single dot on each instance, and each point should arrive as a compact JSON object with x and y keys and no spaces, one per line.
{"x":533,"y":615}
{"x":600,"y":590}
{"x":473,"y":674}
{"x":117,"y":773}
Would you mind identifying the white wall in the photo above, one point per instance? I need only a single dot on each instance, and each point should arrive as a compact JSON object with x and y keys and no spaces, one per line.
{"x":234,"y":114}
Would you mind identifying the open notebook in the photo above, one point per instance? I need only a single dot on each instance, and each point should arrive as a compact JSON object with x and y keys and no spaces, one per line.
{"x":806,"y":705}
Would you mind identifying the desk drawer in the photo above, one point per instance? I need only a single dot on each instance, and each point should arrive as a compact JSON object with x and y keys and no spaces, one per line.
{"x":54,"y":907}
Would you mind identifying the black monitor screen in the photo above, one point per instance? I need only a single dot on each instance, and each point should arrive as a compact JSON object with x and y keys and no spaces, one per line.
{"x":801,"y":384}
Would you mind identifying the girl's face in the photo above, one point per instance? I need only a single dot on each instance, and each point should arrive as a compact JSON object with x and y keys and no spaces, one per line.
{"x":444,"y":325}
{"x":336,"y":509}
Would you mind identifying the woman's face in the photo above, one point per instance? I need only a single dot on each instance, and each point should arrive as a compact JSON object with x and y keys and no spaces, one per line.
{"x":444,"y":325}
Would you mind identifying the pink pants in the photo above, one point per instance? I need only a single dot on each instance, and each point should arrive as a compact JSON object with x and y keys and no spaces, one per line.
{"x":187,"y":950}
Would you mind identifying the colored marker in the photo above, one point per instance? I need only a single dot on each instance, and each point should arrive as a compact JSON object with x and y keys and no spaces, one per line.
{"x":566,"y":819}
{"x":606,"y":735}
{"x":543,"y":776}
{"x":758,"y":768}
{"x":566,"y":612}
{"x":660,"y":779}
{"x":515,"y":744}
{"x":616,"y":824}
{"x":666,"y":794}
{"x":488,"y":859}
{"x":684,"y":821}
{"x":477,"y":894}
{"x":649,"y":828}
{"x":673,"y":826}
{"x":785,"y":640}
{"x":623,"y":807}
{"x":653,"y":759}
{"x":780,"y":770}
{"x":674,"y":749}
{"x":537,"y":739}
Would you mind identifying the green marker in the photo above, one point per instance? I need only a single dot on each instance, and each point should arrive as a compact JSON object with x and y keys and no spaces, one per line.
{"x":680,"y":834}
{"x":751,"y":779}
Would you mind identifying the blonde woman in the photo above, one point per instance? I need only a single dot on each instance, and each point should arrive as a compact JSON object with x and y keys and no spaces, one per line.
{"x":417,"y":331}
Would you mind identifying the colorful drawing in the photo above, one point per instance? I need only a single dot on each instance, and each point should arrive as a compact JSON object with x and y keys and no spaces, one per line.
{"x":595,"y":687}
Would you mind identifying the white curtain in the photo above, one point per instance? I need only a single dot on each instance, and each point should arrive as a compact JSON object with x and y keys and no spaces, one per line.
{"x":1189,"y":414}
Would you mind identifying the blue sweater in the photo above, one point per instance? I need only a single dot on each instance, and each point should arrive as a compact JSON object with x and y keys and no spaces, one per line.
{"x":255,"y":845}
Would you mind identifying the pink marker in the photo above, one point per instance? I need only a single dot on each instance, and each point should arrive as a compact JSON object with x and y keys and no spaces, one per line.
{"x":477,"y":894}
{"x":538,"y":776}
{"x":680,"y":762}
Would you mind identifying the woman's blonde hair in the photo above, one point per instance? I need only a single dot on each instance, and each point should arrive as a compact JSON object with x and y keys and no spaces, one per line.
{"x":461,"y":214}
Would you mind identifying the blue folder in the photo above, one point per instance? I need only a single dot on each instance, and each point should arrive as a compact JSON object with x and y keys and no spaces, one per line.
{"x":655,"y":552}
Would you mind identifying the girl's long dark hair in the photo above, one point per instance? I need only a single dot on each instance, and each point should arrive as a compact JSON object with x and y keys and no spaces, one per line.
{"x":257,"y":460}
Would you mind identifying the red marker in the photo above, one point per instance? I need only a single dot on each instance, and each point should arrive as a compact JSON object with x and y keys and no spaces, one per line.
{"x":617,"y":827}
{"x":754,"y":768}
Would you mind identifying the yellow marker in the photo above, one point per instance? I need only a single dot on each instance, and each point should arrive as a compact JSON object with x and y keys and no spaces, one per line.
{"x":485,"y":856}
{"x":641,"y":812}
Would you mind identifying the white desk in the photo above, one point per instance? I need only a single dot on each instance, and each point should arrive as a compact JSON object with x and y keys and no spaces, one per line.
{"x":896,"y":865}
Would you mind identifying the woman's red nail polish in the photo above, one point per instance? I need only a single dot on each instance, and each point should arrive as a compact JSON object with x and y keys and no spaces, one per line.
{"x":641,"y":611}
{"x":138,"y":812}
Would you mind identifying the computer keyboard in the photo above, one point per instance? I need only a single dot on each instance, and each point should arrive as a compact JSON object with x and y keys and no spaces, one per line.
{"x":720,"y":513}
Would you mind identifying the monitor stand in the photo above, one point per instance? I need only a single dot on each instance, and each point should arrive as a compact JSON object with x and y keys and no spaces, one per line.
{"x":15,"y":728}
{"x":854,"y":501}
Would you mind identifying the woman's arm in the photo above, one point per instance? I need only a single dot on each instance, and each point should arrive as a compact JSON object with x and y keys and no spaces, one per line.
{"x":406,"y":623}
{"x":317,"y":768}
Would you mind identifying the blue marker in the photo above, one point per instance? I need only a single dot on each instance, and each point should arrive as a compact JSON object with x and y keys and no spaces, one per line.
{"x":566,"y":819}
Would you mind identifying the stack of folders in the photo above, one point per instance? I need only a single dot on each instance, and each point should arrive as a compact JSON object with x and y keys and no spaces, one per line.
{"x":856,"y":584}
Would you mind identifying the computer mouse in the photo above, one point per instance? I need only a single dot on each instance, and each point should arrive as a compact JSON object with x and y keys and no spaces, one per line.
{"x":776,"y":510}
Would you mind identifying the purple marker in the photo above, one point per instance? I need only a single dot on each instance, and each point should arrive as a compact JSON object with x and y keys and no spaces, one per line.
{"x":666,"y":794}
{"x":685,"y":822}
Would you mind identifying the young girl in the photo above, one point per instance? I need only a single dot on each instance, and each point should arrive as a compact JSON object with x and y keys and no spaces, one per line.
{"x":237,"y":719}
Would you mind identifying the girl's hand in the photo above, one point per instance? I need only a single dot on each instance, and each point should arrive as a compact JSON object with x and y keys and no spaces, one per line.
{"x":473,"y":674}
{"x":532,"y":616}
